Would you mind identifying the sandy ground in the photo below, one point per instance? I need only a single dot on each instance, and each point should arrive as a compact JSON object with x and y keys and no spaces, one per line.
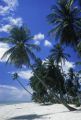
{"x":33,"y":111}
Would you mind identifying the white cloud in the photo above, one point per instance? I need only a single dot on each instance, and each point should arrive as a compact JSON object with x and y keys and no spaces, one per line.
{"x":15,"y":21}
{"x":12,"y":21}
{"x":39,"y":36}
{"x":37,"y":42}
{"x":47,"y":43}
{"x":68,"y":65}
{"x":65,"y":65}
{"x":10,"y":6}
{"x":5,"y":28}
{"x":25,"y":74}
{"x":3,"y":48}
{"x":6,"y":13}
{"x":11,"y":93}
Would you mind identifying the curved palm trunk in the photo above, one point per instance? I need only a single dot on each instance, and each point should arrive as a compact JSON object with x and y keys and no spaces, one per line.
{"x":60,"y":100}
{"x":52,"y":93}
{"x":62,"y":73}
{"x":24,"y":87}
{"x":65,"y":103}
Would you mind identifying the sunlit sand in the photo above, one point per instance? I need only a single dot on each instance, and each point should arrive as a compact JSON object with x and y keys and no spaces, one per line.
{"x":33,"y":111}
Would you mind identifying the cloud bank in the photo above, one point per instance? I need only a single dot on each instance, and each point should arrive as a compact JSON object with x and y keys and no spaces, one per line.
{"x":7,"y":14}
{"x":10,"y":6}
{"x":11,"y":93}
{"x":3,"y":48}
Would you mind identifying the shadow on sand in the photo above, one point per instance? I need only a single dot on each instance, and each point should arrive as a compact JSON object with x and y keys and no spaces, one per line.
{"x":34,"y":116}
{"x":28,"y":117}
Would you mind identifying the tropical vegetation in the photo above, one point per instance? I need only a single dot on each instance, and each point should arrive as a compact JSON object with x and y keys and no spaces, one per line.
{"x":50,"y":83}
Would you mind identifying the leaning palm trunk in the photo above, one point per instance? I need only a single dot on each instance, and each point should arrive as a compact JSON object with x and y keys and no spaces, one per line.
{"x":52,"y":93}
{"x":62,"y":101}
{"x":24,"y":87}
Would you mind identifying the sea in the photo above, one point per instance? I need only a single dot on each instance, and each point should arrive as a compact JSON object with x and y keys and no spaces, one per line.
{"x":12,"y":102}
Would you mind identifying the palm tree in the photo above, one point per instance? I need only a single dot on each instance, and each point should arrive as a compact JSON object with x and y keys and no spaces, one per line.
{"x":51,"y":75}
{"x":72,"y":84}
{"x":21,"y":47}
{"x":40,"y":92}
{"x":50,"y":64}
{"x":55,"y":76}
{"x":58,"y":55}
{"x":71,"y":74}
{"x":66,"y":22}
{"x":21,"y":52}
{"x":69,"y":81}
{"x":15,"y":77}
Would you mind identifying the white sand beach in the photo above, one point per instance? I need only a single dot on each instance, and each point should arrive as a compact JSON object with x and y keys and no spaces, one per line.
{"x":33,"y":111}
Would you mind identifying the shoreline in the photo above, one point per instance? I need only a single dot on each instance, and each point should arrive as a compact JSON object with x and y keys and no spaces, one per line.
{"x":12,"y":103}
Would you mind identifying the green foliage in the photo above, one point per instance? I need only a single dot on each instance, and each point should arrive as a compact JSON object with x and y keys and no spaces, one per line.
{"x":69,"y":4}
{"x":21,"y":50}
{"x":66,"y":21}
{"x":48,"y":82}
{"x":72,"y":84}
{"x":77,"y":103}
{"x":15,"y":76}
{"x":36,"y":85}
{"x":51,"y":76}
{"x":58,"y":54}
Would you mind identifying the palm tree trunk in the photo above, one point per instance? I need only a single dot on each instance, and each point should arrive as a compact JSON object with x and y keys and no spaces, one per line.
{"x":65,"y":103}
{"x":61,"y":101}
{"x":43,"y":83}
{"x":52,"y":93}
{"x":24,"y":87}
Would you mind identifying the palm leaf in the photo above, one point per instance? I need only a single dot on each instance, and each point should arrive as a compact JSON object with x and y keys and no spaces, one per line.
{"x":33,"y":46}
{"x":7,"y":40}
{"x":66,"y":21}
{"x":70,"y":3}
{"x":8,"y":52}
{"x":21,"y":53}
{"x":30,"y":53}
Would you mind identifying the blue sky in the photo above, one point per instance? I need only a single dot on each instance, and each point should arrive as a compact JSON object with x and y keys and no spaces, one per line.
{"x":33,"y":14}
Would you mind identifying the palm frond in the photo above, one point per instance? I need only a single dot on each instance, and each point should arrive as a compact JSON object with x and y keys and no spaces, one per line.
{"x":22,"y":50}
{"x":7,"y":40}
{"x":57,"y":53}
{"x":30,"y":53}
{"x":66,"y":21}
{"x":70,"y":3}
{"x":33,"y":46}
{"x":8,"y":52}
